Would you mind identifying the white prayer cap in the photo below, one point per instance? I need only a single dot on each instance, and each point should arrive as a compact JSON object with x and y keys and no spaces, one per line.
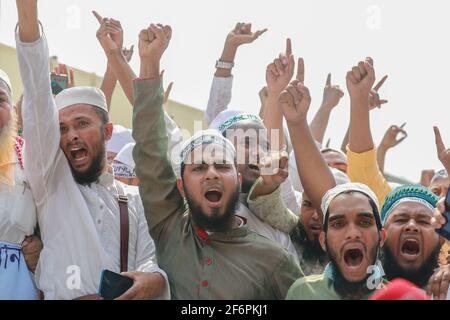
{"x":81,"y":95}
{"x":125,"y":155}
{"x":334,"y":192}
{"x":120,"y":137}
{"x":339,"y":176}
{"x":206,"y":137}
{"x":4,"y":77}
{"x":227,"y":118}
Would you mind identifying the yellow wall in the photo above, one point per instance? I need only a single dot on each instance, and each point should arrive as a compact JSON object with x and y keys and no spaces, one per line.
{"x":120,"y":113}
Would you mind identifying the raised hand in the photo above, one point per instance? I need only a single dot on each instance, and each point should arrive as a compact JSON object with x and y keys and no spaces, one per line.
{"x":390,"y":137}
{"x":374,"y":97}
{"x":331,"y":94}
{"x":153,"y":41}
{"x":279,"y":73}
{"x":128,"y":53}
{"x":360,"y":81}
{"x":62,"y":69}
{"x":442,"y":151}
{"x":274,"y":171}
{"x":109,"y":34}
{"x":294,"y":102}
{"x":242,"y":34}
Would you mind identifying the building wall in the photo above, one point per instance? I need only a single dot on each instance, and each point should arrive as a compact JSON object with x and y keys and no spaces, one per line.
{"x":121,"y":110}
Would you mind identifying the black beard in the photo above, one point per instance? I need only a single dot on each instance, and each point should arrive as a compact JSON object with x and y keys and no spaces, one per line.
{"x":419,"y":277}
{"x":312,"y":250}
{"x":92,"y":174}
{"x":348,"y":290}
{"x":215,"y":222}
{"x":247,"y":185}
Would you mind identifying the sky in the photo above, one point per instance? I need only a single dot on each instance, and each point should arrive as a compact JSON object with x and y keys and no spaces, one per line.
{"x":408,"y":41}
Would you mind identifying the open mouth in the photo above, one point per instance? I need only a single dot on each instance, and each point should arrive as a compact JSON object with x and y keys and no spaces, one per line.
{"x":353,"y":257}
{"x":213,"y":196}
{"x":410,"y":247}
{"x":78,"y":154}
{"x":315,"y":227}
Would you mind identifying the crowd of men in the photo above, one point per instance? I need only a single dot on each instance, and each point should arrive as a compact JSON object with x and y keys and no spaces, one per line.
{"x":254,"y":207}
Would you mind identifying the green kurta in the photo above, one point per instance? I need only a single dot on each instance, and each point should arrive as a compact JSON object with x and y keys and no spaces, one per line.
{"x":237,"y":264}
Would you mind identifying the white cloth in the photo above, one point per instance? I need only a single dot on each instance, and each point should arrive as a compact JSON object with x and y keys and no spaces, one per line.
{"x":125,"y":155}
{"x":121,"y":136}
{"x":219,"y":97}
{"x":81,"y":95}
{"x":352,"y":186}
{"x":17,"y":208}
{"x":5,"y":78}
{"x":79,"y":224}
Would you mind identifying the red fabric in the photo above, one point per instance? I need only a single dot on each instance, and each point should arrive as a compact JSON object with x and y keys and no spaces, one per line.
{"x":400,"y":289}
{"x":18,"y":146}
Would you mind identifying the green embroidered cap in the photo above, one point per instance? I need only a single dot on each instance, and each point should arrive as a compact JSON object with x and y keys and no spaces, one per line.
{"x":414,"y":192}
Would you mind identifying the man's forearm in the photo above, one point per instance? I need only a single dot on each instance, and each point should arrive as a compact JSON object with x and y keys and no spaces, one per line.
{"x":360,"y":137}
{"x":314,"y":173}
{"x":273,"y":121}
{"x":320,"y":123}
{"x":108,"y":85}
{"x":123,"y":73}
{"x":28,"y":20}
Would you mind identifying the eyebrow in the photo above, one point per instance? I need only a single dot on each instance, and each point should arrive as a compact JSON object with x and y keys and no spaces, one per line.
{"x":406,"y":215}
{"x":360,"y":214}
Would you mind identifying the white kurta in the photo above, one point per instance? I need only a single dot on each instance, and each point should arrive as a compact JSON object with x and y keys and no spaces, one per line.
{"x":17,"y":208}
{"x":79,"y":224}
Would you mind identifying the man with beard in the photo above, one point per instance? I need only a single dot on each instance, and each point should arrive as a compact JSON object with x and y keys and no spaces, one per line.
{"x":89,"y":221}
{"x":412,"y":246}
{"x":261,"y":190}
{"x":18,"y":211}
{"x":313,"y":259}
{"x":205,"y":247}
{"x":352,"y":235}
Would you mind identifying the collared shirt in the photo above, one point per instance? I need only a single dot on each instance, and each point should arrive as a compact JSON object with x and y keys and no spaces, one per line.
{"x":17,"y":208}
{"x":79,"y":224}
{"x":236,"y":264}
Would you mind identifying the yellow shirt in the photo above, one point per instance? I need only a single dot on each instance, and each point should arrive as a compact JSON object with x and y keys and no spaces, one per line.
{"x":363,"y":168}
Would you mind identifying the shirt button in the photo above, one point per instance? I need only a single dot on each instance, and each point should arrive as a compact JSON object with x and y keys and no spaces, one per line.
{"x":209,"y":261}
{"x":204,"y":283}
{"x":99,"y":221}
{"x":101,"y":207}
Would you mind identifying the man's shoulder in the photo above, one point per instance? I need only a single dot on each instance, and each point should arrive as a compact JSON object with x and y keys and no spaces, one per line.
{"x":308,"y":287}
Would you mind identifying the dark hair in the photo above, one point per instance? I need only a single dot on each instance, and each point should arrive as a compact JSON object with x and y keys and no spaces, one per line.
{"x":373,"y":205}
{"x":102,"y":114}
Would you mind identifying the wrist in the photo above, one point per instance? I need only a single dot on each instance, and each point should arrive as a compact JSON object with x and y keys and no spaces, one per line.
{"x":228,"y":53}
{"x":149,"y":70}
{"x":383,"y":148}
{"x":326,"y":107}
